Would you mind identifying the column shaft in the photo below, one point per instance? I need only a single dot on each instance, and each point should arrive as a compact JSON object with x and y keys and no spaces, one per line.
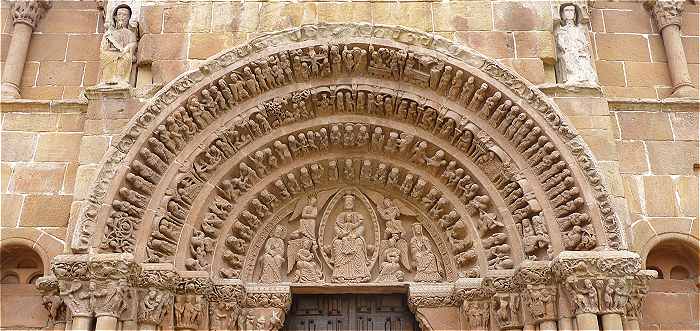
{"x":587,"y":322}
{"x":566,"y":324}
{"x":147,"y":327}
{"x":106,"y":323}
{"x":630,"y":324}
{"x":16,"y":57}
{"x":612,"y":322}
{"x":548,"y":326}
{"x":81,"y":323}
{"x":677,"y":63}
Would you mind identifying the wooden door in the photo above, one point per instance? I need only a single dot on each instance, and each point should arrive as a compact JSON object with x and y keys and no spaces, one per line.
{"x":356,"y":312}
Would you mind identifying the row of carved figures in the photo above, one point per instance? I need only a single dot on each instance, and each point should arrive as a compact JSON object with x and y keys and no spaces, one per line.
{"x":181,"y":126}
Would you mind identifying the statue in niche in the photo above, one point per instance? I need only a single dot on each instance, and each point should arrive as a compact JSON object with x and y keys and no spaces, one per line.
{"x":348,"y":251}
{"x":573,"y":48}
{"x":303,"y":263}
{"x":118,"y":49}
{"x":427,"y":267}
{"x":394,"y":248}
{"x":273,"y":257}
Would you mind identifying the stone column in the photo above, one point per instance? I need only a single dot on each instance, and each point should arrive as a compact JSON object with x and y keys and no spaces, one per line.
{"x":25,"y":16}
{"x":667,"y":15}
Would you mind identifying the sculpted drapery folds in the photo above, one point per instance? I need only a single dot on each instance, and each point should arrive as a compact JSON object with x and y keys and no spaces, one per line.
{"x":118,"y":49}
{"x":573,"y":48}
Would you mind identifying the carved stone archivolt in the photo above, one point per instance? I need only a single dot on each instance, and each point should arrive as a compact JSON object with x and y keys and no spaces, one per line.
{"x":342,"y":155}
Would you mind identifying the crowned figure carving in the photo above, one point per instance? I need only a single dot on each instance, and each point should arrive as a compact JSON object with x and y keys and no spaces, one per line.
{"x":349,"y":249}
{"x":118,"y":49}
{"x":394,"y":249}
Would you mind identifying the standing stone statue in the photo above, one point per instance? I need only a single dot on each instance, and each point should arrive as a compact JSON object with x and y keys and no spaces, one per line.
{"x":273,"y":257}
{"x":118,"y":49}
{"x":573,"y":48}
{"x":427,"y":267}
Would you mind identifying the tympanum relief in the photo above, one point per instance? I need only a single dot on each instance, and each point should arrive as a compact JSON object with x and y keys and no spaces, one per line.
{"x":348,"y":235}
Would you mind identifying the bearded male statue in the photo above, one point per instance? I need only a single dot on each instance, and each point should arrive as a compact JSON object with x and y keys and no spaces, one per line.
{"x":118,"y":49}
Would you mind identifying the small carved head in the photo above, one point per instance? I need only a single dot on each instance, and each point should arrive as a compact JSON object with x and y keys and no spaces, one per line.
{"x":569,"y":12}
{"x":349,"y":201}
{"x":121,"y":16}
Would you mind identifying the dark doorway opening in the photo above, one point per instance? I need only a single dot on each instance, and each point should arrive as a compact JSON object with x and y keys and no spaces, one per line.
{"x":362,"y":312}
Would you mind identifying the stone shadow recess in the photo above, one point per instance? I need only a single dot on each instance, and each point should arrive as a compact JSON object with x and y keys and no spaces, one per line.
{"x":357,"y":158}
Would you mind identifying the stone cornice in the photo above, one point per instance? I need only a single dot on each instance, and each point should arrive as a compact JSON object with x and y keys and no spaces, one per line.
{"x":669,"y":105}
{"x":43,"y":106}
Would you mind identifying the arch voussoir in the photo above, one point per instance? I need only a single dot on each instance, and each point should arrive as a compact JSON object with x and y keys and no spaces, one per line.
{"x":438,"y":108}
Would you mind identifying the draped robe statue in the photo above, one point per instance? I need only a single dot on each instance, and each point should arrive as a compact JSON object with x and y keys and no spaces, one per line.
{"x":118,"y":49}
{"x":573,"y":52}
{"x":349,"y":254}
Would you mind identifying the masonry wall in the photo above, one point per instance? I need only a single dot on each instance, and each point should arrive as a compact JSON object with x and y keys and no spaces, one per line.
{"x":648,"y":150}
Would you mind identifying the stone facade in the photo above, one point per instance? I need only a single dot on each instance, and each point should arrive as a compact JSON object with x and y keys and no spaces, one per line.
{"x":419,"y":147}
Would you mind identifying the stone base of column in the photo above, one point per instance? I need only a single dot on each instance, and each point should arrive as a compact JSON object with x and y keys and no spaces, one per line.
{"x":9,"y":91}
{"x":685,"y":92}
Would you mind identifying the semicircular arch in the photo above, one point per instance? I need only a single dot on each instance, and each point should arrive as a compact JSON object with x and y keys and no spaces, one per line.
{"x":460,"y":110}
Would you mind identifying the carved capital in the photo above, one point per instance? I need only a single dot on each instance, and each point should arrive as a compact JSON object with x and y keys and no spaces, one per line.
{"x":268,"y":296}
{"x":639,"y":287}
{"x":430,"y":295}
{"x":154,"y":306}
{"x":95,"y":267}
{"x":666,"y":12}
{"x":29,"y":12}
{"x":190,"y":311}
{"x":541,"y":302}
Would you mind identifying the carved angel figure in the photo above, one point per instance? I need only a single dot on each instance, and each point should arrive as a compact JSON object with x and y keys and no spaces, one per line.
{"x":348,"y":251}
{"x":272,"y":259}
{"x":302,"y":261}
{"x":394,"y":248}
{"x":151,"y":308}
{"x":427,"y":267}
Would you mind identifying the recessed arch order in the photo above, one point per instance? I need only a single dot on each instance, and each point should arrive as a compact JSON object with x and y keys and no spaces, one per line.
{"x":482,"y":167}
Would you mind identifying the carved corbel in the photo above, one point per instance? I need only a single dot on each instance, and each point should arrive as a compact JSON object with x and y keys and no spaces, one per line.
{"x":52,"y":301}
